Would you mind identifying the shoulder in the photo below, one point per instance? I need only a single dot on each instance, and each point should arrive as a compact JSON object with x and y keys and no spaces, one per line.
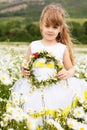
{"x":35,"y":46}
{"x":35,"y":43}
{"x":62,"y":45}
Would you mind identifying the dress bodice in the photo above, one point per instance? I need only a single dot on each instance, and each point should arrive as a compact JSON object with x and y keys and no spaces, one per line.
{"x":57,"y":49}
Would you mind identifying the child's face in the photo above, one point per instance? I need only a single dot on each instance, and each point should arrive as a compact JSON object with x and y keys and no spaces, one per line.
{"x":50,"y":32}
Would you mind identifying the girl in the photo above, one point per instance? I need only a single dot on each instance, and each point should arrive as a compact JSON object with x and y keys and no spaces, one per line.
{"x":55,"y":40}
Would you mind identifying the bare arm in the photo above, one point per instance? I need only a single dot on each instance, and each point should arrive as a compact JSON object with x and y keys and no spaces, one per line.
{"x":28,"y":53}
{"x":69,"y":68}
{"x":67,"y":63}
{"x":25,"y":71}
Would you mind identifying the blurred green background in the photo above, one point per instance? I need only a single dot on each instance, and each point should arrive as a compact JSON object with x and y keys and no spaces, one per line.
{"x":19,"y":19}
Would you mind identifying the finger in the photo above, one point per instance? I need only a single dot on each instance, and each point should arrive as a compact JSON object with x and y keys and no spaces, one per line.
{"x":26,"y":74}
{"x":63,"y":76}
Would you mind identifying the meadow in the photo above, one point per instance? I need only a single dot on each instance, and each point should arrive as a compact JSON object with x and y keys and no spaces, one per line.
{"x":11,"y":58}
{"x":24,"y":19}
{"x":77,"y":20}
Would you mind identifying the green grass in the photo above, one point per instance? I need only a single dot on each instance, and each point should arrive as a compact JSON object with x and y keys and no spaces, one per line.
{"x":14,"y":43}
{"x":78,"y":20}
{"x":5,"y":20}
{"x":26,"y":43}
{"x":81,"y":46}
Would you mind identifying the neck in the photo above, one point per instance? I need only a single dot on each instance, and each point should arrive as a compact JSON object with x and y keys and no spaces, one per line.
{"x":48,"y":42}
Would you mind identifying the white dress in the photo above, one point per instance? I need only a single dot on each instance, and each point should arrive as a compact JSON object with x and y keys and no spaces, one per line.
{"x":59,"y":95}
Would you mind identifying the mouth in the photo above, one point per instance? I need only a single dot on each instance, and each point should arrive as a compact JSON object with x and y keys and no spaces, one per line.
{"x":50,"y":34}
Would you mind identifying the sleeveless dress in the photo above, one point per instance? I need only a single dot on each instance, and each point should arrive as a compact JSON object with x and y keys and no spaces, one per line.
{"x":59,"y":95}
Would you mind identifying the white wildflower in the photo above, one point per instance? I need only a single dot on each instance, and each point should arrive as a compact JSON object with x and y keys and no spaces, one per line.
{"x":79,"y":112}
{"x":72,"y":123}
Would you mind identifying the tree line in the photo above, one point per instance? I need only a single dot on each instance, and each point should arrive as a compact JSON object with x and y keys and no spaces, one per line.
{"x":16,"y":32}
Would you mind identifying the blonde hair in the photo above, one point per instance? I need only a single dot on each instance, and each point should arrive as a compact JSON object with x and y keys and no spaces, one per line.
{"x":55,"y":15}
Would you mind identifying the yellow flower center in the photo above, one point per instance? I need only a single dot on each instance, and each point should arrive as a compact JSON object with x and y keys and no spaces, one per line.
{"x":10,"y":111}
{"x":82,"y":128}
{"x":14,"y":94}
{"x":29,"y":124}
{"x":79,"y":112}
{"x":8,"y":117}
{"x":5,"y":122}
{"x":18,"y":110}
{"x":23,"y":100}
{"x":85,"y":94}
{"x":24,"y":117}
{"x":16,"y":101}
{"x":71,"y":125}
{"x":40,"y":64}
{"x":49,"y":65}
{"x":3,"y":79}
{"x":17,"y":117}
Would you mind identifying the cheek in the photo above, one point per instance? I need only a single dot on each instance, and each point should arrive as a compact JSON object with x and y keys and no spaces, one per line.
{"x":59,"y":29}
{"x":43,"y":31}
{"x":57,"y":32}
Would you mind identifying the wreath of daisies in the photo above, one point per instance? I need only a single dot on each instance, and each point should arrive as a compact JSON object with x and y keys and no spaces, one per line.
{"x":49,"y":58}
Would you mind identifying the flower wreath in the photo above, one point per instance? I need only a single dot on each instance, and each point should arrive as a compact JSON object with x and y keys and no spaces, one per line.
{"x":49,"y":58}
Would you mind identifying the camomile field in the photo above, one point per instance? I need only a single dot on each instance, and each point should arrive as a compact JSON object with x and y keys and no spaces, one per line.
{"x":11,"y":58}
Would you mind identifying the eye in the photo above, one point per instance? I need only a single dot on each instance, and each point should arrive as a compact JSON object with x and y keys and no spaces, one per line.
{"x":46,"y":25}
{"x":55,"y":27}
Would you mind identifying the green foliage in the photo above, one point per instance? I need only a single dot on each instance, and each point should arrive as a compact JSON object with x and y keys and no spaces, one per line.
{"x":85,"y":27}
{"x":16,"y":125}
{"x":76,"y":29}
{"x":5,"y":91}
{"x":4,"y":96}
{"x":23,"y":29}
{"x":79,"y":31}
{"x":27,"y":31}
{"x":76,"y":8}
{"x":2,"y":109}
{"x":33,"y":31}
{"x":17,"y":34}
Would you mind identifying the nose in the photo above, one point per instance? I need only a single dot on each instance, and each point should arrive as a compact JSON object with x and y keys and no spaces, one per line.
{"x":50,"y":29}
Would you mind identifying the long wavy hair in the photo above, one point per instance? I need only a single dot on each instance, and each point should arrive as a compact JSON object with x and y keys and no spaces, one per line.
{"x":55,"y":15}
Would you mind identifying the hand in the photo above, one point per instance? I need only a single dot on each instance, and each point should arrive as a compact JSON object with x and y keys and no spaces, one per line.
{"x":25,"y":72}
{"x":63,"y":74}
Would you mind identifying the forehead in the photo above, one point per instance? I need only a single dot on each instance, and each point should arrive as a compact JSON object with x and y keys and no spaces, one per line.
{"x":52,"y":17}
